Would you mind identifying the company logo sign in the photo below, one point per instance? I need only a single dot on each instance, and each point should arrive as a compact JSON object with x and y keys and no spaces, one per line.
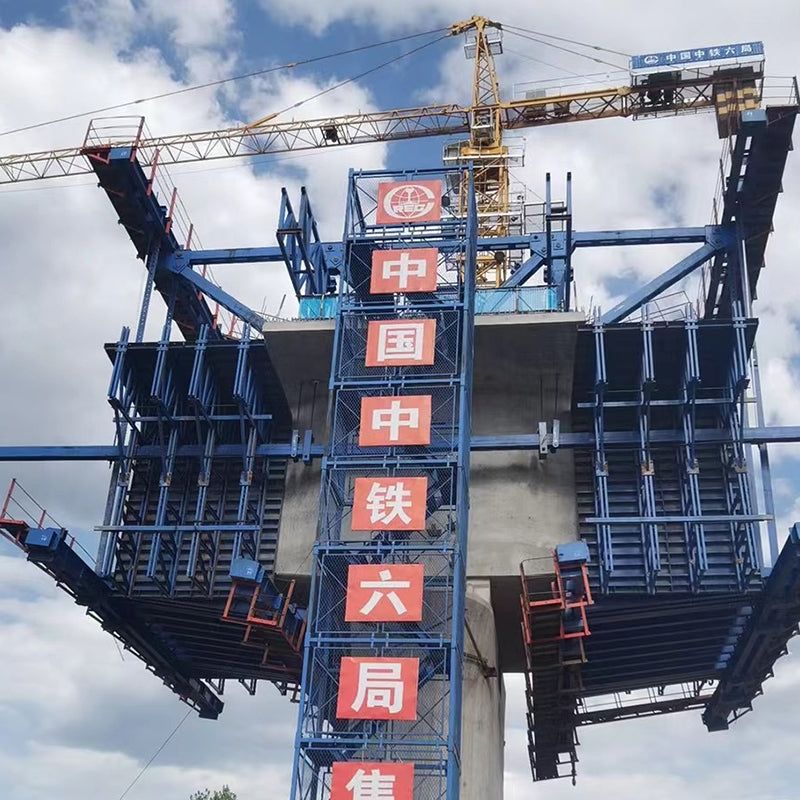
{"x":409,"y":201}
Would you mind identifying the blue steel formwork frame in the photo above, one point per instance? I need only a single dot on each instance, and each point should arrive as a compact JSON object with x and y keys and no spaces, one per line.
{"x":432,"y":741}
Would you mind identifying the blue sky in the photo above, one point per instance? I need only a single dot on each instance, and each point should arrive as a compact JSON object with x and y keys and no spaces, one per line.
{"x":76,"y":718}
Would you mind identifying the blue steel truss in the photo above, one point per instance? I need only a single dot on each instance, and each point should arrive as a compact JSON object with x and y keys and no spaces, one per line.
{"x":699,"y":386}
{"x":432,"y":740}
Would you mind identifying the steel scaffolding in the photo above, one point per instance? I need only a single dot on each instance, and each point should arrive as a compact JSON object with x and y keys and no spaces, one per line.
{"x":430,"y":740}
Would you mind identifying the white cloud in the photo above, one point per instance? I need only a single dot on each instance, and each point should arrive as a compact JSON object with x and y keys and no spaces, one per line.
{"x":192,"y":24}
{"x":87,"y":720}
{"x":112,"y":21}
{"x":86,"y":717}
{"x":189,"y":25}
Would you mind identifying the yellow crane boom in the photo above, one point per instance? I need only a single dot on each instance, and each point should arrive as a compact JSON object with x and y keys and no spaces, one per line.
{"x":483,"y":121}
{"x":378,"y":126}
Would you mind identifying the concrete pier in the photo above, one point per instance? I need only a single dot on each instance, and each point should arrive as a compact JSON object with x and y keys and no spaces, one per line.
{"x":484,"y":702}
{"x":521,"y":506}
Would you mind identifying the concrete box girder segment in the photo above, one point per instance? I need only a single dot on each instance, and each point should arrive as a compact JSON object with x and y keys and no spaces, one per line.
{"x":521,"y":506}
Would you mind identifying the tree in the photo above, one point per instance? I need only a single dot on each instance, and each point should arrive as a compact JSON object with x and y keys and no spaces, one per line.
{"x":219,"y":794}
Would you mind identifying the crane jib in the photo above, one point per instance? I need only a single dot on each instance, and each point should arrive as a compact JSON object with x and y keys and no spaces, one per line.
{"x":670,"y":98}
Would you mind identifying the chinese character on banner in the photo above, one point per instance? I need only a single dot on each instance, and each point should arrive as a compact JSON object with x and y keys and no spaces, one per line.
{"x":384,"y":593}
{"x":387,"y":421}
{"x":390,"y":504}
{"x":404,"y":271}
{"x":409,"y":201}
{"x":377,"y":688}
{"x":401,"y":343}
{"x":356,"y":780}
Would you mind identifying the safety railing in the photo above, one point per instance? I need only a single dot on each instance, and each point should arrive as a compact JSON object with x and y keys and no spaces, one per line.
{"x":131,"y":131}
{"x":567,"y":597}
{"x":514,"y":300}
{"x":120,"y":131}
{"x":20,"y":513}
{"x":780,"y":91}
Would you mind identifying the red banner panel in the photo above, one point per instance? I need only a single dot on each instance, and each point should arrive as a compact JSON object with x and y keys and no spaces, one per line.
{"x":359,"y":780}
{"x":389,"y":504}
{"x":401,"y":343}
{"x":384,"y":593}
{"x":405,"y":271}
{"x":389,"y":421}
{"x":378,"y":688}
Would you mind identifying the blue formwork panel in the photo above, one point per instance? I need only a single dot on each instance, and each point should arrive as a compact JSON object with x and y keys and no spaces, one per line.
{"x":683,"y":375}
{"x":762,"y":638}
{"x":186,"y":513}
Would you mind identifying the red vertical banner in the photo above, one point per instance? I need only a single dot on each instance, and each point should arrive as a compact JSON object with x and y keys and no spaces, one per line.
{"x":384,"y":593}
{"x":401,"y":343}
{"x":359,"y":780}
{"x":405,"y":271}
{"x":409,"y":201}
{"x":396,"y":420}
{"x":377,"y":688}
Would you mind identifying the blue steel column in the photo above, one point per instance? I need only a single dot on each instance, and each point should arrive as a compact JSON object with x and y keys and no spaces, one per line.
{"x":688,"y":463}
{"x":152,"y":268}
{"x":462,"y":513}
{"x":604,"y":544}
{"x":647,"y":492}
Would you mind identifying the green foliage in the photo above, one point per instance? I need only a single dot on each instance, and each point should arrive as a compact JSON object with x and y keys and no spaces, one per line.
{"x":219,"y":794}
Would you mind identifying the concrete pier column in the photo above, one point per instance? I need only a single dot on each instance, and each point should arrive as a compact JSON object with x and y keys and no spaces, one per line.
{"x":483,"y":703}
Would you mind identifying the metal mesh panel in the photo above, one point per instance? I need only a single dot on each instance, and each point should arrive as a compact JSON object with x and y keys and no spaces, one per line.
{"x":347,"y":419}
{"x":331,"y":569}
{"x":449,"y":270}
{"x":352,"y":343}
{"x":440,"y":521}
{"x":363,"y":205}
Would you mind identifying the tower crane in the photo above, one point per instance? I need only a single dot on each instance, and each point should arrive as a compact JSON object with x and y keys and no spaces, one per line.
{"x":729,"y":90}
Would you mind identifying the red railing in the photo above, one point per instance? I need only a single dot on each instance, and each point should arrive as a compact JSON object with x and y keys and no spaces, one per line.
{"x":569,"y":590}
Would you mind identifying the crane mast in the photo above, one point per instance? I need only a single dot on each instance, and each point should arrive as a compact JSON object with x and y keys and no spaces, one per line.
{"x":484,"y":148}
